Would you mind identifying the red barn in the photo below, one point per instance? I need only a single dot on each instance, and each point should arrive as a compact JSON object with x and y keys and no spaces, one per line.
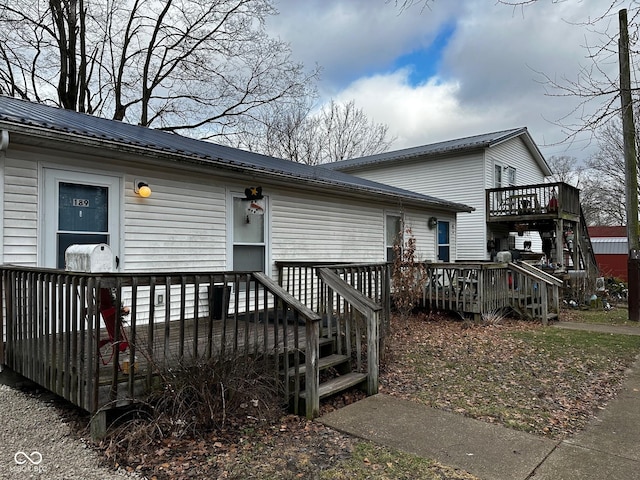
{"x":611,"y":250}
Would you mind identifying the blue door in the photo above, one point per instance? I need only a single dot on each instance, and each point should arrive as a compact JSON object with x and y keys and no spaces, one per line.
{"x":444,"y":247}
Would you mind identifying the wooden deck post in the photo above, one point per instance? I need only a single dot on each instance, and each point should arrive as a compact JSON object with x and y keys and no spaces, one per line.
{"x":312,"y":374}
{"x":2,"y":284}
{"x":373,"y":323}
{"x":98,"y":425}
{"x":544,"y":304}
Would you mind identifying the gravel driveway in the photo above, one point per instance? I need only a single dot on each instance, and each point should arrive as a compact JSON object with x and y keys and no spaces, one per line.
{"x":35,"y":442}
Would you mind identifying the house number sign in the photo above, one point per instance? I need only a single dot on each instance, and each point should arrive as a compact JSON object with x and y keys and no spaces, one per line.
{"x":80,"y":202}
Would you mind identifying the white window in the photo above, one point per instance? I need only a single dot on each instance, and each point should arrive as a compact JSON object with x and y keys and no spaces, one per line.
{"x":504,"y":176}
{"x":497,"y":176}
{"x":249,"y":234}
{"x":393,"y":234}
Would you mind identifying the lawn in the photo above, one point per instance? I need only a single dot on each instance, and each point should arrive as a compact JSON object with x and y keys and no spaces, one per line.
{"x":615,"y":316}
{"x":537,"y":379}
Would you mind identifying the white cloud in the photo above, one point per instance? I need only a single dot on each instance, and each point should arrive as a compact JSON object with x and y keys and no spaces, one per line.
{"x":416,"y":114}
{"x":488,"y":76}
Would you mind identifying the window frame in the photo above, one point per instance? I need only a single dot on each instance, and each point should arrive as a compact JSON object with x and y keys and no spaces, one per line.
{"x":389,"y":248}
{"x":53,"y":175}
{"x":504,"y":176}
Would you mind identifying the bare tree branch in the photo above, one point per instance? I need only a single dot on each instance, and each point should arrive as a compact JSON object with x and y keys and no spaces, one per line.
{"x":179,"y":65}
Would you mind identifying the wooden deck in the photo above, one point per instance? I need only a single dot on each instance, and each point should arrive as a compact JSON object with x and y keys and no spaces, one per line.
{"x":54,"y":328}
{"x":53,"y":324}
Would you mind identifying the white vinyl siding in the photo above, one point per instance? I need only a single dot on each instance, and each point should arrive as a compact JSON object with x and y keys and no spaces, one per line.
{"x":310,"y":228}
{"x":514,"y":153}
{"x":180,"y":227}
{"x":183,"y":225}
{"x":20,"y":212}
{"x":456,"y":179}
{"x":426,"y":238}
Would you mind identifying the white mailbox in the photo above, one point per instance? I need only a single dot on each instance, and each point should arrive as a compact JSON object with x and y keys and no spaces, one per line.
{"x":503,"y":257}
{"x":90,"y":258}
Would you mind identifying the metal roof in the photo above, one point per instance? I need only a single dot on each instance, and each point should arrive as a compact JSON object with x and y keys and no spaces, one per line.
{"x":610,"y":246}
{"x":459,"y":145}
{"x":37,"y":120}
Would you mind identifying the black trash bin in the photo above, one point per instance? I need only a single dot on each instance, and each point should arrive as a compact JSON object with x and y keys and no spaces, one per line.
{"x":219,"y":301}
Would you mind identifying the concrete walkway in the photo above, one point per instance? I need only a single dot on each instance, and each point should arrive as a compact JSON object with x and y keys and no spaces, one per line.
{"x":609,"y":448}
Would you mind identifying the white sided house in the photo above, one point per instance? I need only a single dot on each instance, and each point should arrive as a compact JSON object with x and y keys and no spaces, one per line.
{"x":461,"y":171}
{"x":70,"y":178}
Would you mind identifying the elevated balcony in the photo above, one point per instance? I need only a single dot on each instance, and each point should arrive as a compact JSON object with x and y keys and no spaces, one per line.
{"x":533,"y":203}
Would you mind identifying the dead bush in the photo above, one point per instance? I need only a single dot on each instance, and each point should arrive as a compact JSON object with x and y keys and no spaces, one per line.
{"x":193,"y":400}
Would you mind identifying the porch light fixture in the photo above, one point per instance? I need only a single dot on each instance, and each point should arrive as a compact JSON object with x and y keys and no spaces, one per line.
{"x":433,"y":222}
{"x":142,"y":188}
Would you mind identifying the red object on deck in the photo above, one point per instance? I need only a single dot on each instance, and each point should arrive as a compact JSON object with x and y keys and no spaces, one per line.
{"x":108,"y":312}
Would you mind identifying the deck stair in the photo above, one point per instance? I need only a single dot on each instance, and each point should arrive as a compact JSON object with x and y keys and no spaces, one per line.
{"x":336,"y":376}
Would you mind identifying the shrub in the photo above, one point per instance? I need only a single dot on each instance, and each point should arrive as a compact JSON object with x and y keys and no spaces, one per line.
{"x":407,"y":275}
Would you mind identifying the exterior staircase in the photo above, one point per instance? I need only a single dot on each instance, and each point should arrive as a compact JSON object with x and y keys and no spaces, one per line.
{"x":336,"y":375}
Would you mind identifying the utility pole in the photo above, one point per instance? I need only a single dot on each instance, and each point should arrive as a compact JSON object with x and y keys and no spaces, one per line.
{"x":631,"y":167}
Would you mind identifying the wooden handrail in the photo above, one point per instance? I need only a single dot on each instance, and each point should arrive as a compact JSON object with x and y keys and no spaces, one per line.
{"x":371,"y":311}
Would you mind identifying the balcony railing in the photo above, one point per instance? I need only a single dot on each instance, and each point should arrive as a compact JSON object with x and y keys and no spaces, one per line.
{"x":541,"y":201}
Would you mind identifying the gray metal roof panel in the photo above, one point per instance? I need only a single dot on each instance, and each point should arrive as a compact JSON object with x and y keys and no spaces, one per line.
{"x":83,"y":126}
{"x":610,"y":246}
{"x":465,"y":144}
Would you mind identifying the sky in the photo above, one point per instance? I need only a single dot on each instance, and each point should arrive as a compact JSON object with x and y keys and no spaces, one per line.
{"x":454,"y":69}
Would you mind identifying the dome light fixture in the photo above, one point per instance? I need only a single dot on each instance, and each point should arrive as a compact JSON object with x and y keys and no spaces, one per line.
{"x":142,"y":188}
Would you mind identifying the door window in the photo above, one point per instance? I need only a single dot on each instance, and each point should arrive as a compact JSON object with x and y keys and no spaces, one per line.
{"x":393,"y":234}
{"x":83,"y":216}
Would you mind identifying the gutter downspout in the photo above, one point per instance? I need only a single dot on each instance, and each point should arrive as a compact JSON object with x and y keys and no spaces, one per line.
{"x":4,"y":140}
{"x":4,"y":145}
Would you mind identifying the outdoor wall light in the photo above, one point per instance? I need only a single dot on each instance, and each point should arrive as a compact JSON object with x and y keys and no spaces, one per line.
{"x":142,"y":188}
{"x":433,"y":222}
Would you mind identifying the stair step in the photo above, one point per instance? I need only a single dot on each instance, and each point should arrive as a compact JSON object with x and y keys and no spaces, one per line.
{"x":323,"y":363}
{"x":339,"y":384}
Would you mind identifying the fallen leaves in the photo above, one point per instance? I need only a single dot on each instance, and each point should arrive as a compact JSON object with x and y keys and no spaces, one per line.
{"x":518,"y":374}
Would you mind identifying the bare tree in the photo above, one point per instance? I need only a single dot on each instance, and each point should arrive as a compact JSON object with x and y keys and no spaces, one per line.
{"x":338,"y":131}
{"x":350,"y":134}
{"x":177,"y":65}
{"x":565,"y":169}
{"x":603,"y":190}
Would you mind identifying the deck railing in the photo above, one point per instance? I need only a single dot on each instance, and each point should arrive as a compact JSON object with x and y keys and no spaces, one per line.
{"x":483,"y":288}
{"x":545,"y":200}
{"x":353,"y":300}
{"x":55,"y":332}
{"x":56,"y":335}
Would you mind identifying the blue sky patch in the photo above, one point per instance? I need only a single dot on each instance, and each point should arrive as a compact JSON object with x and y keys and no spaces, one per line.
{"x":424,"y":63}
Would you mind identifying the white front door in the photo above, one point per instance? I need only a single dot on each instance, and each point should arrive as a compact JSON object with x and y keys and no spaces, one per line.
{"x":79,"y":208}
